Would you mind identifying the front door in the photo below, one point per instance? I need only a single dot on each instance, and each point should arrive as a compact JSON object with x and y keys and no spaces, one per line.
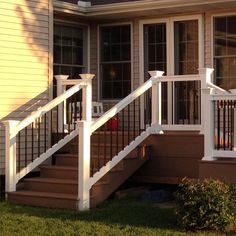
{"x":173,"y":45}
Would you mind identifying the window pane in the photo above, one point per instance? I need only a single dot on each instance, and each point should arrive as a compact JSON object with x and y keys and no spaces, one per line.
{"x":115,"y":34}
{"x":115,"y":53}
{"x":77,"y":37}
{"x":66,"y":36}
{"x":66,"y":55}
{"x":56,"y":54}
{"x":78,"y":56}
{"x":57,"y":35}
{"x":186,"y":47}
{"x":125,"y":52}
{"x":125,"y":34}
{"x":225,"y":51}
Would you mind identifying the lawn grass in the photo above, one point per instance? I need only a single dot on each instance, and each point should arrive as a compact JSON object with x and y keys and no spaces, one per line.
{"x":115,"y":217}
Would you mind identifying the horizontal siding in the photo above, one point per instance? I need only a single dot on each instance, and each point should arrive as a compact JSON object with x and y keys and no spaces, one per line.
{"x":24,"y":60}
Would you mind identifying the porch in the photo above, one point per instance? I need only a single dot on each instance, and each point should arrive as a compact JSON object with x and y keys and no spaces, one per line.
{"x":115,"y":154}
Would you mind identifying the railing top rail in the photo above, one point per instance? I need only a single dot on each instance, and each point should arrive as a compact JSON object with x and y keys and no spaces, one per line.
{"x":49,"y":106}
{"x":121,"y":105}
{"x":211,"y":85}
{"x":224,"y":97}
{"x":178,"y":78}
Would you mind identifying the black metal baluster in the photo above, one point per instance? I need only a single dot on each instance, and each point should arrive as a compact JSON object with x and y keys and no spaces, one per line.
{"x":111,"y":134}
{"x":80,"y":105}
{"x":228,"y":125}
{"x":134,"y":117}
{"x":98,"y":154}
{"x":25,"y":146}
{"x":232,"y":125}
{"x":128,"y":123}
{"x":224,"y":125}
{"x":57,"y":134}
{"x":38,"y":137}
{"x":51,"y":121}
{"x":117,"y":135}
{"x":218,"y":124}
{"x":19,"y":164}
{"x":32,"y":140}
{"x":139,"y":115}
{"x":123,"y":129}
{"x":105,"y":145}
{"x":75,"y":111}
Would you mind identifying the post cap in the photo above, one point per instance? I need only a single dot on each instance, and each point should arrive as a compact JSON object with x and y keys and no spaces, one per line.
{"x":61,"y":77}
{"x":156,"y":73}
{"x":87,"y":76}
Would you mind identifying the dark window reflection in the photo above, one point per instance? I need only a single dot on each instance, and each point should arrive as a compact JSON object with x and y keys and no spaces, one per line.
{"x":115,"y":52}
{"x":225,"y":51}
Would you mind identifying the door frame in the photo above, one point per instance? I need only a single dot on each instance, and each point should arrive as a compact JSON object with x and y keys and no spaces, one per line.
{"x":170,"y":44}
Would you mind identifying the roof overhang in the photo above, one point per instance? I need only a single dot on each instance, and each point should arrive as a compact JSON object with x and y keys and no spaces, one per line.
{"x":141,"y":8}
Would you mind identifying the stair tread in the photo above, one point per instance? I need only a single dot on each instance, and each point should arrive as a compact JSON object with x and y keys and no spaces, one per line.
{"x":58,"y":167}
{"x":51,"y":180}
{"x":45,"y":194}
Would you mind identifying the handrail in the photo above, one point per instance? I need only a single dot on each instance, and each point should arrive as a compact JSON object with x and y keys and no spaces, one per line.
{"x":211,"y":85}
{"x":49,"y":106}
{"x":179,"y":78}
{"x":121,"y":105}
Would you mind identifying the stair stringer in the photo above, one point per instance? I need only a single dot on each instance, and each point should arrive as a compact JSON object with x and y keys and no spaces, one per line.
{"x":121,"y":155}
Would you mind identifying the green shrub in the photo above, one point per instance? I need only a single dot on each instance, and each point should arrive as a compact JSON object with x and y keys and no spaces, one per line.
{"x":205,"y":205}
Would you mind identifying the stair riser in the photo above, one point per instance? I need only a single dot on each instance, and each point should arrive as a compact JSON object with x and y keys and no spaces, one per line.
{"x":176,"y":146}
{"x":67,"y":161}
{"x":60,"y":174}
{"x":43,"y":201}
{"x":51,"y":187}
{"x":111,"y":138}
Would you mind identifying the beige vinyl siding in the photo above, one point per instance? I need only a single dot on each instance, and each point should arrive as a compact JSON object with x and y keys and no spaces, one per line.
{"x":25,"y":73}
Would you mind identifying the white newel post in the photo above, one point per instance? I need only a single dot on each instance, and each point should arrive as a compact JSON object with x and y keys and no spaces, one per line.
{"x":84,"y":144}
{"x":207,"y":113}
{"x":61,"y":109}
{"x":156,"y":97}
{"x":10,"y":149}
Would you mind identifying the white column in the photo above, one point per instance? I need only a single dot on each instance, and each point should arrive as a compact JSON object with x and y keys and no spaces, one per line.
{"x":10,"y":149}
{"x":61,"y":108}
{"x":84,"y":165}
{"x":207,"y":113}
{"x":87,"y":97}
{"x":156,"y":97}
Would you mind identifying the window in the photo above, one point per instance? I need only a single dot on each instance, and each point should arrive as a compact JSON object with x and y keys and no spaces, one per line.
{"x":69,"y":52}
{"x":225,"y":51}
{"x":115,"y":61}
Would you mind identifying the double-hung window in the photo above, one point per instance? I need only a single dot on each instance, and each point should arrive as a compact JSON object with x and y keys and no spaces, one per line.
{"x":115,"y":61}
{"x":69,"y":50}
{"x":225,"y":51}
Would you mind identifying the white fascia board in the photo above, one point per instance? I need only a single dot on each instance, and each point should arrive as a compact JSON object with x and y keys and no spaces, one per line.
{"x":99,"y":10}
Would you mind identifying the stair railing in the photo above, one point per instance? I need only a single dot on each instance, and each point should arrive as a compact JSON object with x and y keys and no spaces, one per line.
{"x":27,"y":142}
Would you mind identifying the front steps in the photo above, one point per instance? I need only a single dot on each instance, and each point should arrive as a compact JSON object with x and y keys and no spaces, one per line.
{"x":57,"y":184}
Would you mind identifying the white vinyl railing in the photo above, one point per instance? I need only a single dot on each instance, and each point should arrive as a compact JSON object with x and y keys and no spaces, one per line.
{"x":13,"y":129}
{"x":86,"y":127}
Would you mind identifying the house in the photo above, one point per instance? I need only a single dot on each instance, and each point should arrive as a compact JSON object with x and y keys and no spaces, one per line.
{"x":152,"y":63}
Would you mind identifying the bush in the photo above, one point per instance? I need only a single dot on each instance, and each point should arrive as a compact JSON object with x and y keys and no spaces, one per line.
{"x":205,"y":205}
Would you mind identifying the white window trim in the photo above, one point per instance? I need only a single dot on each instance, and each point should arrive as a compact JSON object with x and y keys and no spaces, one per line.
{"x":99,"y":98}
